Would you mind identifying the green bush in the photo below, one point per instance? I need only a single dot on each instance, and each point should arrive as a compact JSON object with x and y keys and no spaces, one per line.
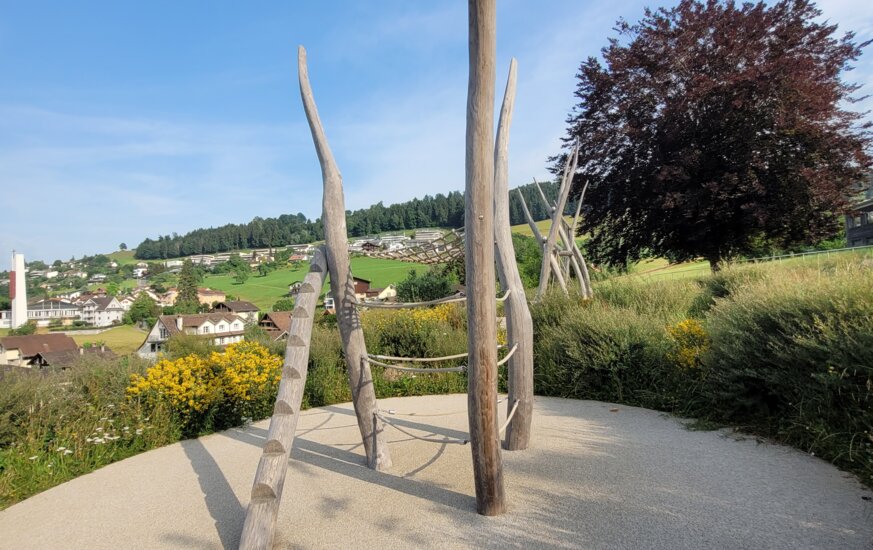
{"x":793,"y":358}
{"x":604,"y":353}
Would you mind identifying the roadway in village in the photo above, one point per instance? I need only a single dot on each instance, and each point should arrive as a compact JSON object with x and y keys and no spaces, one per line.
{"x":596,"y":476}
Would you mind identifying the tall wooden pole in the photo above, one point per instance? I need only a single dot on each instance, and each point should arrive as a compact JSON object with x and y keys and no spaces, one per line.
{"x":342,"y":285}
{"x":479,"y":252}
{"x":519,"y":325}
{"x":260,"y":522}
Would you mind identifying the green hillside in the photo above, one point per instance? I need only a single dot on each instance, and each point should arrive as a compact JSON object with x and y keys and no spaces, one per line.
{"x":265,"y":291}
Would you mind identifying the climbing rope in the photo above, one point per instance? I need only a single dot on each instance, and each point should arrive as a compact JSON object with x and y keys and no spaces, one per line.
{"x":372,"y":361}
{"x":509,"y":418}
{"x":405,"y":305}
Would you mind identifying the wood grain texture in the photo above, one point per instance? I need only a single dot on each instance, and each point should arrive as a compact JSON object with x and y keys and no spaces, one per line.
{"x":342,"y":285}
{"x":266,"y":496}
{"x":479,"y":253}
{"x":519,"y":325}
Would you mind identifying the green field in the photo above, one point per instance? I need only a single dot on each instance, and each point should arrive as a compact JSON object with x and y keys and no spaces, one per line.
{"x":266,"y":291}
{"x":123,"y":257}
{"x":122,"y":340}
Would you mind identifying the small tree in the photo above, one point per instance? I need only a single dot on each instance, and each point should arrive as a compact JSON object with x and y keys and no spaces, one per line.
{"x":143,"y":310}
{"x":285,"y":304}
{"x":122,"y":246}
{"x":187,"y":301}
{"x":242,"y":273}
{"x":421,"y":288}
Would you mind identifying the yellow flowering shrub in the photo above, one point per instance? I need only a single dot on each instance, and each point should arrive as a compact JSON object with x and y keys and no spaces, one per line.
{"x":248,"y":370}
{"x":188,"y":385}
{"x":214,"y":392}
{"x":691,"y":343}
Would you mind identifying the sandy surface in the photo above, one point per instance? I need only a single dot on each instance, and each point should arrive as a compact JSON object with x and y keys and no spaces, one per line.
{"x":593,"y":478}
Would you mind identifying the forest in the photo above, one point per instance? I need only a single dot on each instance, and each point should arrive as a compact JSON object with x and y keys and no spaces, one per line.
{"x":437,"y":211}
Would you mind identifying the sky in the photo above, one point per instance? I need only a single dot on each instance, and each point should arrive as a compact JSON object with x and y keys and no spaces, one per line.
{"x":126,"y":120}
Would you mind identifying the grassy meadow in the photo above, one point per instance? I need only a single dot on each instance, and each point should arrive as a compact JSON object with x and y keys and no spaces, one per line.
{"x":122,"y":340}
{"x":267,"y":290}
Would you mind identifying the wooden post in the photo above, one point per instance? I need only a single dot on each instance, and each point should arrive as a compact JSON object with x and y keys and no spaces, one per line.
{"x":519,"y":325}
{"x":342,"y":285}
{"x":260,"y":522}
{"x":479,"y":252}
{"x":557,"y":217}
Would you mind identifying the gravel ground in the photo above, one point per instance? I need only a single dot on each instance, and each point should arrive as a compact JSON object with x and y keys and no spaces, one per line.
{"x":596,"y":476}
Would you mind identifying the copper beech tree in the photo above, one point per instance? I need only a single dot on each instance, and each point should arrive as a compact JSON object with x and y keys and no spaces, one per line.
{"x":711,"y":128}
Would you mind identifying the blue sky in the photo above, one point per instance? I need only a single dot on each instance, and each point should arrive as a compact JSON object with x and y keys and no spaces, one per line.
{"x":123,"y":120}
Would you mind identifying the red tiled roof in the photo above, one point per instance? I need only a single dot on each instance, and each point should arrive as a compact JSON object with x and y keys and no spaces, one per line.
{"x":30,"y":345}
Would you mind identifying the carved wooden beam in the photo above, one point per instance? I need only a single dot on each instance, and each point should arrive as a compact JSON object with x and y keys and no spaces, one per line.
{"x":342,"y":285}
{"x":519,"y":325}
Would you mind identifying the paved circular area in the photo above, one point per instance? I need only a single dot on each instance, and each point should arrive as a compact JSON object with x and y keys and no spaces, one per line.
{"x":597,"y":476}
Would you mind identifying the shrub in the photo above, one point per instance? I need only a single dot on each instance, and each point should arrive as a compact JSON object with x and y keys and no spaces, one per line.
{"x":793,"y":358}
{"x":215,"y":392}
{"x":691,"y":343}
{"x":605,"y":353}
{"x":432,"y":285}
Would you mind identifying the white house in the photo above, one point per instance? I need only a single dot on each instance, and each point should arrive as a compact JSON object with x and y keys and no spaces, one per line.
{"x":221,"y":328}
{"x":102,"y":311}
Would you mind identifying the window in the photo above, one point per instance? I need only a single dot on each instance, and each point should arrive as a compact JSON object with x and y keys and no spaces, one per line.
{"x":206,"y":329}
{"x":856,"y":221}
{"x":164,"y":333}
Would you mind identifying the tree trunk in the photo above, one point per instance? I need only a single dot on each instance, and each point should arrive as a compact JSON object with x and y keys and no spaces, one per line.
{"x":519,"y":325}
{"x":342,"y":286}
{"x":479,"y":251}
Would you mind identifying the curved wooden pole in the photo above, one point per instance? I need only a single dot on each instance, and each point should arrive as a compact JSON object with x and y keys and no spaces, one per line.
{"x":519,"y":325}
{"x":341,"y":284}
{"x":557,"y":217}
{"x":479,"y":252}
{"x":260,"y":522}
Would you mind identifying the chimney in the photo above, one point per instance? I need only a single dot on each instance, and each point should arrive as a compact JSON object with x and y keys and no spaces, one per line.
{"x":179,"y":322}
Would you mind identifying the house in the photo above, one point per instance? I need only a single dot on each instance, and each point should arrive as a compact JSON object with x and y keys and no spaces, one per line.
{"x":97,"y":278}
{"x":246,"y":310}
{"x":208,"y":296}
{"x":126,"y":301}
{"x":329,"y":304}
{"x":21,"y":351}
{"x":301,"y":248}
{"x":221,"y":328}
{"x":51,"y":274}
{"x":381,"y":294}
{"x":277,"y":324}
{"x":45,"y":311}
{"x":859,"y":224}
{"x":140,"y":272}
{"x":173,"y":263}
{"x":427,"y":235}
{"x":68,"y":358}
{"x":168,"y":298}
{"x":371,"y":246}
{"x":6,"y":318}
{"x":102,"y":311}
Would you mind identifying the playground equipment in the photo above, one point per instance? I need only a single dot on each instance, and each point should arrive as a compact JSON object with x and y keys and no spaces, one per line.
{"x":487,"y":202}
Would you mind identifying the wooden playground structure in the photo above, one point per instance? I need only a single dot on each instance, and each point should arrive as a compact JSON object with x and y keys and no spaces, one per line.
{"x":486,"y":240}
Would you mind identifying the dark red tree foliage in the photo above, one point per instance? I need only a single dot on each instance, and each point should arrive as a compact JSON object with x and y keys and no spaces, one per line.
{"x":714,"y":127}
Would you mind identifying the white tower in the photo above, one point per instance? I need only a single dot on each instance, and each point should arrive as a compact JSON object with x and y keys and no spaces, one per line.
{"x":18,"y":291}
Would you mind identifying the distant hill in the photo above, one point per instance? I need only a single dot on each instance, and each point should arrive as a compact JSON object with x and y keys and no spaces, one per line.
{"x":437,"y":211}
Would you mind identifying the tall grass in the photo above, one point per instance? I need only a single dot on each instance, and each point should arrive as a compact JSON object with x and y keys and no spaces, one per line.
{"x":63,"y":424}
{"x":786,"y":352}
